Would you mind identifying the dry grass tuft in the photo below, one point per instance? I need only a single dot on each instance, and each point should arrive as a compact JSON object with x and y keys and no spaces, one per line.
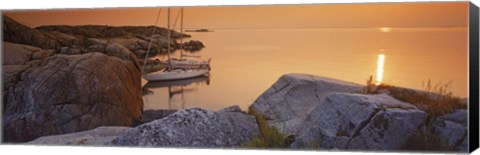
{"x":435,"y":99}
{"x":270,"y":137}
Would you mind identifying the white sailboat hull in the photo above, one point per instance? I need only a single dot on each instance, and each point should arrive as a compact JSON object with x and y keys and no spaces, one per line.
{"x":175,"y":74}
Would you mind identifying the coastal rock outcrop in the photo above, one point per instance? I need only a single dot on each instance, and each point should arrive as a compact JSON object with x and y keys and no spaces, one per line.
{"x":356,"y":121}
{"x":17,"y":33}
{"x":289,"y":100}
{"x":194,"y":127}
{"x":323,"y":113}
{"x":95,"y":137}
{"x":192,"y":45}
{"x":70,"y":93}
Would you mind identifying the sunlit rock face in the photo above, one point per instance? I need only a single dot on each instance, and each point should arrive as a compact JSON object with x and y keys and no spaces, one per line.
{"x":70,"y":93}
{"x":194,"y":127}
{"x":327,"y":114}
{"x":289,"y":100}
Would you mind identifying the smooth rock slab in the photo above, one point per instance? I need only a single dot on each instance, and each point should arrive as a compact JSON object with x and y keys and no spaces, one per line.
{"x":289,"y":100}
{"x":194,"y":127}
{"x":95,"y":137}
{"x":356,"y":121}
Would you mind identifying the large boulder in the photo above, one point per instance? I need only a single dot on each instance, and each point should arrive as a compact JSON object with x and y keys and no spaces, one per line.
{"x":70,"y":93}
{"x":288,"y":101}
{"x":356,"y":121}
{"x":95,"y":137}
{"x":194,"y":127}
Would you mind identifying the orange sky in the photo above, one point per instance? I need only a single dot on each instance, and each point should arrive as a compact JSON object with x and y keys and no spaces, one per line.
{"x":433,"y":14}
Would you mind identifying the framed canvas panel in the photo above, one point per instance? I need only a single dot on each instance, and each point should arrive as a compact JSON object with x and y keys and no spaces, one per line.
{"x":347,"y":77}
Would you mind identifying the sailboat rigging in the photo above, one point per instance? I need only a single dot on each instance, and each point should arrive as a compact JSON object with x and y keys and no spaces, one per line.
{"x":171,"y":72}
{"x":186,"y":63}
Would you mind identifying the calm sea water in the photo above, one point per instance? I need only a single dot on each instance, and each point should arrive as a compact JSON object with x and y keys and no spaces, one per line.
{"x":246,"y":62}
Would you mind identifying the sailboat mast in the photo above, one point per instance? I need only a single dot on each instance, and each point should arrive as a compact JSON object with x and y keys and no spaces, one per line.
{"x":168,"y":38}
{"x":181,"y":32}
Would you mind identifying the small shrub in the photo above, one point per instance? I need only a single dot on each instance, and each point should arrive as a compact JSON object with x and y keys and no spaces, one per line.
{"x":269,"y":137}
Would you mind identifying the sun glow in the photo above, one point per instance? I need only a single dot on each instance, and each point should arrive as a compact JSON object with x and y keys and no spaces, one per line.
{"x":380,"y":63}
{"x":385,"y":29}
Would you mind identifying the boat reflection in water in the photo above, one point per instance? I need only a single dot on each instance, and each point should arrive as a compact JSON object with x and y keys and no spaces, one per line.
{"x":177,"y":87}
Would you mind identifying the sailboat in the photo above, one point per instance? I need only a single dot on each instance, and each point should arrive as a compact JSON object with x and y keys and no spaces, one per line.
{"x":183,"y":62}
{"x":171,"y":73}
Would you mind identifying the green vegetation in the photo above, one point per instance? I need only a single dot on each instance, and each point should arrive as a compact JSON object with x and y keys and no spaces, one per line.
{"x":269,"y":137}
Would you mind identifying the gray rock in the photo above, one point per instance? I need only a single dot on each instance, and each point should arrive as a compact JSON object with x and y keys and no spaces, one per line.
{"x":293,"y":96}
{"x":234,"y":108}
{"x":95,"y":137}
{"x":70,"y":93}
{"x":151,"y":115}
{"x":194,"y":127}
{"x":453,"y":128}
{"x":356,"y":121}
{"x":458,"y":116}
{"x":11,"y":75}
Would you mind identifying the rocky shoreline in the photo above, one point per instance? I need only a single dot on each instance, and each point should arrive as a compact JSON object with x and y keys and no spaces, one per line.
{"x":314,"y":112}
{"x":64,"y":79}
{"x":81,"y":85}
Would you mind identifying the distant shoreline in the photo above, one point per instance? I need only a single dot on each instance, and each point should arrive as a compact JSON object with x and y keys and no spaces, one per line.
{"x":199,"y":30}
